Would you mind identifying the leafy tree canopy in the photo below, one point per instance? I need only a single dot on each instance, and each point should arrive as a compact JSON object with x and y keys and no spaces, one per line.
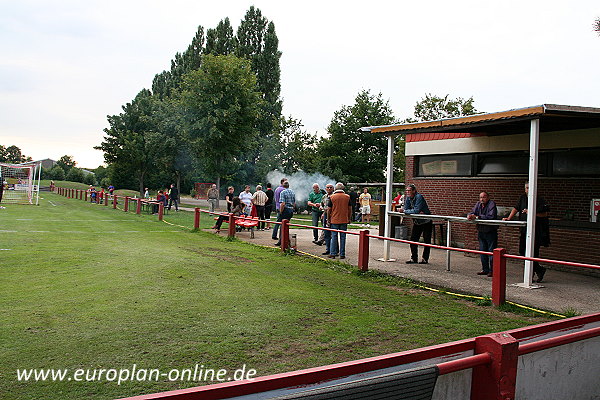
{"x":351,"y":155}
{"x":66,"y":163}
{"x":12,"y":155}
{"x":431,"y":108}
{"x":220,"y":106}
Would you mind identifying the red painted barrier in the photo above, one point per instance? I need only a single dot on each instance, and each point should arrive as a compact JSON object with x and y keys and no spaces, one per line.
{"x":161,"y":210}
{"x":285,"y":235}
{"x":197,"y":218}
{"x":231,"y":228}
{"x":126,"y":205}
{"x":497,"y":380}
{"x":115,"y":202}
{"x":363,"y":250}
{"x":499,"y":277}
{"x":138,"y":209}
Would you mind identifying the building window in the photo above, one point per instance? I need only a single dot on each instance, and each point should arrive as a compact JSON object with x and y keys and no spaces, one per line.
{"x":445,"y":165}
{"x":508,"y":164}
{"x":578,"y":162}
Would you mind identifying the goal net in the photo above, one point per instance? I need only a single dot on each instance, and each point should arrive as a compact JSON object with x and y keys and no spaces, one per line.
{"x":19,"y":183}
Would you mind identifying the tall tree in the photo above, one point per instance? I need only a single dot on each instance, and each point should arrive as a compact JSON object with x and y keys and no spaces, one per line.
{"x":597,"y":25}
{"x":66,"y":163}
{"x":220,"y":105}
{"x":257,"y":41}
{"x":431,"y":108}
{"x":351,"y":155}
{"x":220,"y":41}
{"x":298,"y":148}
{"x":12,"y":154}
{"x":132,"y":141}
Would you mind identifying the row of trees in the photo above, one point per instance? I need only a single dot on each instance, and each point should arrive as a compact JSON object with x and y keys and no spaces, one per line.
{"x":12,"y":155}
{"x":215,"y":116}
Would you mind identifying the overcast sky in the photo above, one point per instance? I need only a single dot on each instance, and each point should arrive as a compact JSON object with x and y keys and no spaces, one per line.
{"x":66,"y":65}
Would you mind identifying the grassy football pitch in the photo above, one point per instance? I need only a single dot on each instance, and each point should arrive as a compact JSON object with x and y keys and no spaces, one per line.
{"x":86,"y":286}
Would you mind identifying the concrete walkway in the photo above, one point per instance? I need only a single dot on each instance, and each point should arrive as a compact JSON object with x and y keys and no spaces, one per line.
{"x":560,"y":290}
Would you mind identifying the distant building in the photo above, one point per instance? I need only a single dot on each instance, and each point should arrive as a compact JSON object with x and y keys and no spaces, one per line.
{"x":48,"y":163}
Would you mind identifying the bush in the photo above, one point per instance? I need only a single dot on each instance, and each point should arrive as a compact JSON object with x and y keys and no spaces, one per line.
{"x":90,"y":179}
{"x":105,"y":182}
{"x":57,"y":173}
{"x":75,"y":175}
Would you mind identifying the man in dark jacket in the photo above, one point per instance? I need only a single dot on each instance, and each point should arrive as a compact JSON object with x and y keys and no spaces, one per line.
{"x":542,"y":228}
{"x":486,"y":234}
{"x":415,"y":203}
{"x":174,"y":197}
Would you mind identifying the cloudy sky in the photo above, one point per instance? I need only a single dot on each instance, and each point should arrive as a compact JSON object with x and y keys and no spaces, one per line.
{"x":65,"y":65}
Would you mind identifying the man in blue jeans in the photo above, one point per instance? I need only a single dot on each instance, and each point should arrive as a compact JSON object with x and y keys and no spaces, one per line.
{"x":339,"y":214}
{"x":277,"y":204}
{"x":485,"y":209}
{"x":287,"y":200}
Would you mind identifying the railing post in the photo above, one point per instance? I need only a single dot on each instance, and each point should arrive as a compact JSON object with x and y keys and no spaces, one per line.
{"x":80,"y":194}
{"x":86,"y":194}
{"x":138,"y":209}
{"x":114,"y":201}
{"x":231,"y":229}
{"x":497,"y":380}
{"x":196,"y":218}
{"x":126,"y":206}
{"x":285,"y":234}
{"x":499,"y":277}
{"x":161,"y":210}
{"x":363,"y":250}
{"x":105,"y":198}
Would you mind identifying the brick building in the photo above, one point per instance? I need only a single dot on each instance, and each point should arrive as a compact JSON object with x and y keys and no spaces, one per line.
{"x":451,"y":161}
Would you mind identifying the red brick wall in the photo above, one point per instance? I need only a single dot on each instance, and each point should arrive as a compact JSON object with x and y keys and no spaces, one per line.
{"x":457,"y":196}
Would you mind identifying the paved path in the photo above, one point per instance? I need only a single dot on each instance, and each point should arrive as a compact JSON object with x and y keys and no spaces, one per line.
{"x":561,"y":290}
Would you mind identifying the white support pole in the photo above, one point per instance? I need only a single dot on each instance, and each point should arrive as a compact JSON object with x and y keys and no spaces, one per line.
{"x":388,"y":198}
{"x":534,"y":139}
{"x":37,"y":198}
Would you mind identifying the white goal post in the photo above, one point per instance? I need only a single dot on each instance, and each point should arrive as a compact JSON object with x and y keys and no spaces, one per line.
{"x":20,"y":182}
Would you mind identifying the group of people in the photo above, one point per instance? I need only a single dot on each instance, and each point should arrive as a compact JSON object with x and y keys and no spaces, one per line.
{"x":258,"y":204}
{"x":487,"y":235}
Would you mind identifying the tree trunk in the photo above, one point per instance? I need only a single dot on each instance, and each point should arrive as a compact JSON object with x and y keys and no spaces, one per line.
{"x":141,"y":179}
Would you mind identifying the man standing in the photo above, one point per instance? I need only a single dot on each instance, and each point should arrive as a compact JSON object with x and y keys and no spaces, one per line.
{"x":314,"y":202}
{"x":415,"y":204}
{"x":174,"y":197}
{"x":354,"y":201}
{"x":339,"y":214}
{"x":229,"y":198}
{"x":325,"y":236}
{"x":277,"y":205}
{"x":365,"y":207}
{"x":542,"y":228}
{"x":259,"y":198}
{"x":287,"y":202}
{"x":269,"y":204}
{"x":485,"y":209}
{"x":213,"y":198}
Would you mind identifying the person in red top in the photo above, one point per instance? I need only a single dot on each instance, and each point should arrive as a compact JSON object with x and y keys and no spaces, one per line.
{"x":339,"y":214}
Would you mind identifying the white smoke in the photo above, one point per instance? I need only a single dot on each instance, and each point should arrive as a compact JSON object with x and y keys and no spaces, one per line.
{"x":300,"y":182}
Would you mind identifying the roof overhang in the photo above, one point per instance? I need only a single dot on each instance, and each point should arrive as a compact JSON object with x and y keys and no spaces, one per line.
{"x":553,"y":117}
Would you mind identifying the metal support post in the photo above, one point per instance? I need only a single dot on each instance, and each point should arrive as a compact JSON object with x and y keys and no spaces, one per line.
{"x":196,"y":218}
{"x":363,"y":250}
{"x":499,"y":277}
{"x":285,"y":235}
{"x":231,"y":231}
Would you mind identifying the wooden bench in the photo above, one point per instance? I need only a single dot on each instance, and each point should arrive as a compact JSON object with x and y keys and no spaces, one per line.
{"x":249,"y":222}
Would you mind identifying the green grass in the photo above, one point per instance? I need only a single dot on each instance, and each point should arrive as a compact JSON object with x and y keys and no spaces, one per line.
{"x":99,"y":288}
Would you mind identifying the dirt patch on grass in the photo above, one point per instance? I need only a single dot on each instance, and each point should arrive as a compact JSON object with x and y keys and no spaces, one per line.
{"x":218,"y":253}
